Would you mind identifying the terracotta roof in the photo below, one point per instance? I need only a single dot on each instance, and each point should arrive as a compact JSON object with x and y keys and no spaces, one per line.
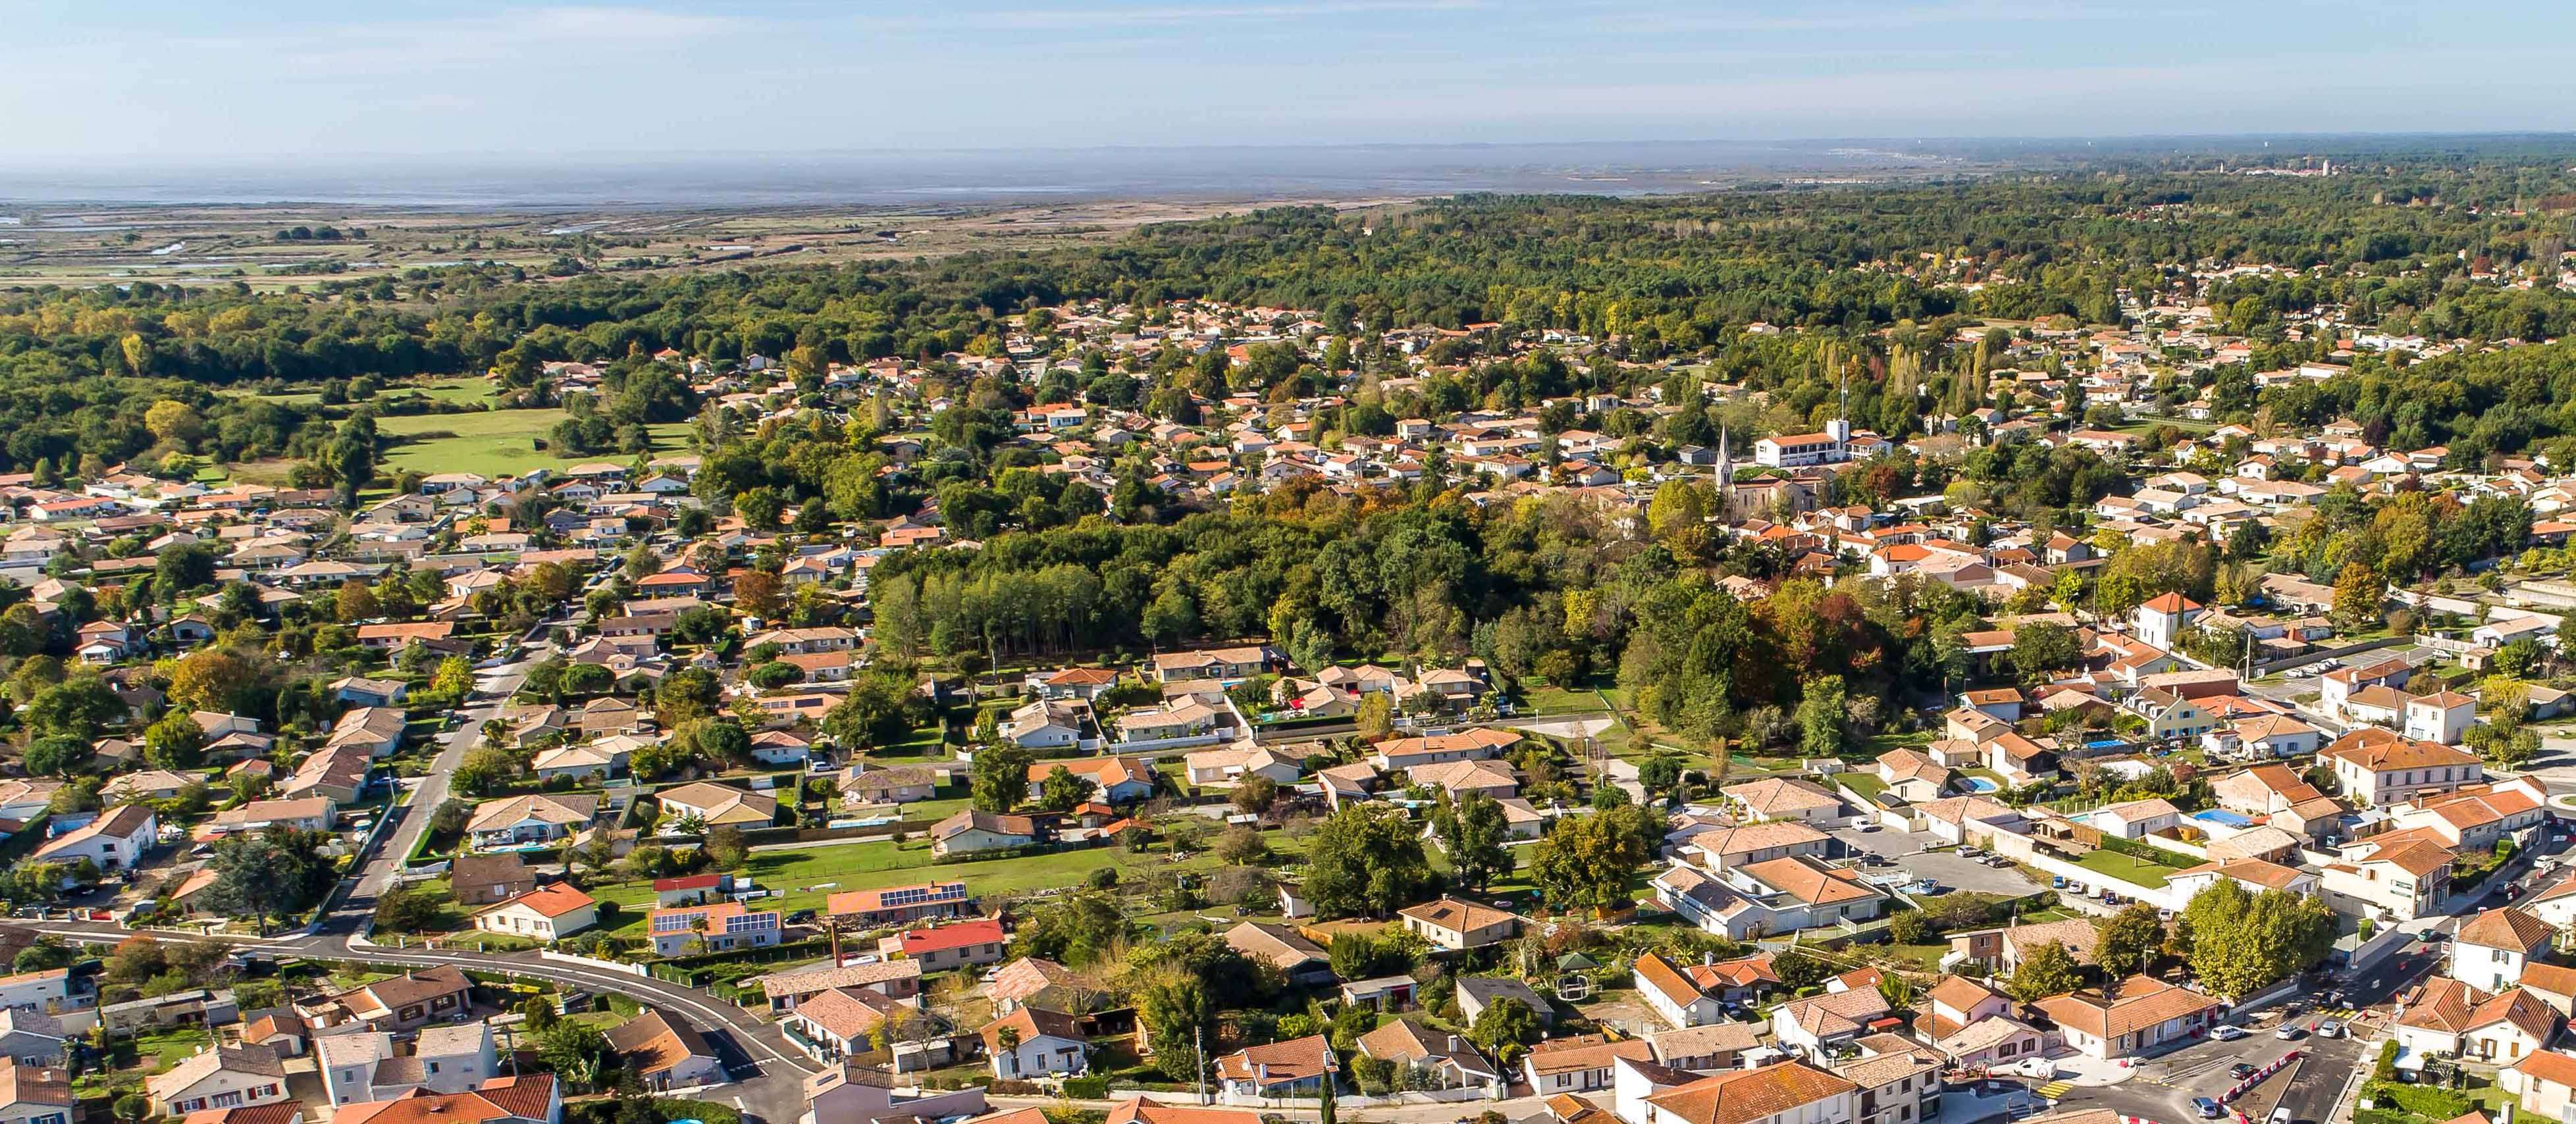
{"x":652,"y":1043}
{"x":1278,"y":1063}
{"x":2506,"y":928}
{"x":1772,"y":795}
{"x":2549,"y":1066}
{"x":1585,"y":1051}
{"x":1457,"y":916}
{"x":525,"y":1097}
{"x":2143,"y":1002}
{"x":1752,"y":1094}
{"x":1146,"y":1110}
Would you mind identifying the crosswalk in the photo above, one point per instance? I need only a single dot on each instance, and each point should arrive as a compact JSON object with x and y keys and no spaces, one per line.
{"x":2054,"y":1089}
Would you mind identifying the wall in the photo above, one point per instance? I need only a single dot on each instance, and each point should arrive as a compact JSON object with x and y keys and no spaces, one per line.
{"x":2305,"y":659}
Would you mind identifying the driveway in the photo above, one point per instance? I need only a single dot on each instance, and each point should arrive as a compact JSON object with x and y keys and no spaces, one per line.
{"x":1945,"y":867}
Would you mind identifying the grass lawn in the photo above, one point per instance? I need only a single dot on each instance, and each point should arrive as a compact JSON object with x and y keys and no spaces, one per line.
{"x":807,"y":877}
{"x":1866,"y":784}
{"x":2137,"y":871}
{"x":1553,"y":700}
{"x":493,"y":443}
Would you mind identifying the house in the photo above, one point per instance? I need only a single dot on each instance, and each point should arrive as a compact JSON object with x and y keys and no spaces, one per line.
{"x":1912,"y":776}
{"x":2160,"y":622}
{"x":547,"y":913}
{"x":2491,"y":949}
{"x":405,"y":1002}
{"x":2395,"y":875}
{"x":1045,"y":724}
{"x":1778,"y":798}
{"x":861,"y":786}
{"x":717,"y":805}
{"x":1821,"y":1024}
{"x":1030,"y":1043}
{"x":1299,"y":961}
{"x":2145,"y":1016}
{"x":1579,"y":1063}
{"x":217,"y":1077}
{"x":1721,"y":848}
{"x":1436,"y":1059}
{"x":939,"y":948}
{"x":519,"y":820}
{"x":1706,"y":1048}
{"x":1115,"y":780}
{"x":2545,"y":1080}
{"x":1408,"y":753}
{"x":115,"y":840}
{"x":1227,"y":766}
{"x":972,"y":829}
{"x":35,"y":1095}
{"x":1143,"y":1110}
{"x":851,"y":1093}
{"x":1673,"y":995}
{"x":31,"y":1038}
{"x":895,"y":905}
{"x":1297,"y":1067}
{"x":1454,"y":925}
{"x":1226,"y":665}
{"x":373,"y":1066}
{"x":2136,"y":819}
{"x":889,"y":979}
{"x":1790,"y":1092}
{"x":839,"y":1022}
{"x":523,"y":1099}
{"x":2005,"y":948}
{"x":2443,"y":1017}
{"x":665,"y":1053}
{"x":478,"y":880}
{"x":1475,"y":993}
{"x":2442,"y":717}
{"x":2379,"y":767}
{"x":370,"y":692}
{"x":276,"y":1030}
{"x":720,"y":927}
{"x":1031,"y":982}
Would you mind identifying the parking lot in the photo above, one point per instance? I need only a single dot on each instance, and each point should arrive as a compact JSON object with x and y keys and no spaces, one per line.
{"x":1946,"y":867}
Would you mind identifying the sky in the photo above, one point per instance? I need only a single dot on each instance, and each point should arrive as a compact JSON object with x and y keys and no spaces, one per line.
{"x":153,"y":81}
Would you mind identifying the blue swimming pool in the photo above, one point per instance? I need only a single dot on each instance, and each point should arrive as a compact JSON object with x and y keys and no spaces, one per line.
{"x":2222,"y":818}
{"x":1979,"y":784}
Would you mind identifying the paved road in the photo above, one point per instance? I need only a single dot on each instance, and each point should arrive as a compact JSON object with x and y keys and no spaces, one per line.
{"x":430,"y":790}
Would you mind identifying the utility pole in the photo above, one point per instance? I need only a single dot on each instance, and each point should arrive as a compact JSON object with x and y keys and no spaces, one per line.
{"x":1198,"y":1072}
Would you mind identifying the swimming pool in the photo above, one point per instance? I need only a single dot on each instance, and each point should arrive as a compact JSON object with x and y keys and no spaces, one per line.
{"x":1979,"y":784}
{"x":2222,"y":818}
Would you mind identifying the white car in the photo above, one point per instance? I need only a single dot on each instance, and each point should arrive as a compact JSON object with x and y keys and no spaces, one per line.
{"x":1866,"y":826}
{"x":2228,"y":1033}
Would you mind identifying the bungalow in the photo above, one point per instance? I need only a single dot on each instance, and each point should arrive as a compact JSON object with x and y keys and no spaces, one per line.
{"x":721,"y":926}
{"x":1116,"y":780}
{"x":2146,"y":1015}
{"x":547,"y":913}
{"x":1299,"y":1066}
{"x":1454,"y":925}
{"x":1579,"y":1063}
{"x":1434,"y":1059}
{"x":518,"y":820}
{"x":218,"y":1077}
{"x":973,"y":829}
{"x":1030,"y":1042}
{"x":665,"y":1053}
{"x":938,"y":948}
{"x":717,"y":805}
{"x":1778,"y":798}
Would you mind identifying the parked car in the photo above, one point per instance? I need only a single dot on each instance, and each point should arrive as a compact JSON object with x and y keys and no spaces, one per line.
{"x":2331,"y":1028}
{"x":2242,"y":1070}
{"x":2289,"y":1032}
{"x":2205,"y":1107}
{"x":1866,"y":826}
{"x":2282,"y":1115}
{"x":2057,"y":882}
{"x":2227,"y":1033}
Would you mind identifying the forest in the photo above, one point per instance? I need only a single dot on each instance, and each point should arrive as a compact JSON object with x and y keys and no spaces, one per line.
{"x":1876,"y":276}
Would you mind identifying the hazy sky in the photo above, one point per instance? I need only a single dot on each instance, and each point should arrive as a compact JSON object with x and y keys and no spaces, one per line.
{"x":155,"y":80}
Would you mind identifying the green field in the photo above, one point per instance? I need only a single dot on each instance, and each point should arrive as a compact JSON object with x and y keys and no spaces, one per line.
{"x":807,"y":877}
{"x":2135,"y":871}
{"x":494,"y":442}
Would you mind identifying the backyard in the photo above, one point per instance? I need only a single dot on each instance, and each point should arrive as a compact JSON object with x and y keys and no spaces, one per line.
{"x":2126,"y":868}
